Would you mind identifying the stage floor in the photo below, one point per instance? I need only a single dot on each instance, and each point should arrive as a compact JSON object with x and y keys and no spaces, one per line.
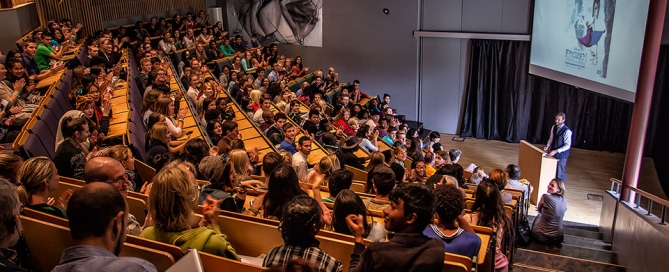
{"x":588,"y":172}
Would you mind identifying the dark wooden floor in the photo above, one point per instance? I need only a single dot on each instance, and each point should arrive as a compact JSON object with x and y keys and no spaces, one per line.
{"x":587,"y":172}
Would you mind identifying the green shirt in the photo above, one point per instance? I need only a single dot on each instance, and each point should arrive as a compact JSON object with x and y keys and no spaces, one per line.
{"x":42,"y":56}
{"x":205,"y":239}
{"x":228,"y":51}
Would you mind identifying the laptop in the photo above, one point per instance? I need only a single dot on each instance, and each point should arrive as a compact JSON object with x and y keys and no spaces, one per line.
{"x":188,"y":263}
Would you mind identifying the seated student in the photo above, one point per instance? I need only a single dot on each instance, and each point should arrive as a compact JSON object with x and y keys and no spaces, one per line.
{"x":300,"y":222}
{"x":45,"y":53}
{"x":454,"y":155}
{"x":311,"y":124}
{"x":288,"y":143}
{"x":10,"y":229}
{"x":268,"y":118}
{"x":429,"y":164}
{"x":223,"y":184}
{"x":275,"y":132}
{"x":383,"y":182}
{"x":97,"y":221}
{"x":346,"y":155}
{"x":109,"y":170}
{"x":441,"y":158}
{"x":38,"y":178}
{"x":418,"y":172}
{"x":456,"y":171}
{"x":86,"y":104}
{"x":411,"y":210}
{"x":70,"y":156}
{"x":513,"y":180}
{"x":339,"y":180}
{"x":299,"y":162}
{"x":349,"y":203}
{"x":458,"y":237}
{"x":499,"y":177}
{"x":400,"y":155}
{"x":265,"y":107}
{"x":10,"y":165}
{"x":283,"y":186}
{"x":551,"y":208}
{"x":171,"y":204}
{"x":160,"y":142}
{"x":400,"y":173}
{"x":488,"y":211}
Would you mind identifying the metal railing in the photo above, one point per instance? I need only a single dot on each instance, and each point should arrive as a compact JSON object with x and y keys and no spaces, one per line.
{"x":616,"y":186}
{"x":636,"y":196}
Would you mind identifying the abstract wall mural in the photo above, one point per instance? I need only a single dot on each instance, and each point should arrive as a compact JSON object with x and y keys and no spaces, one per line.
{"x":298,"y":22}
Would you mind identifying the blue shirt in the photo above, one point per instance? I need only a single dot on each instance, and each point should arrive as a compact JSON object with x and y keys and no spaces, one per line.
{"x":31,"y":65}
{"x":290,"y":147}
{"x":463,"y":243}
{"x":91,"y":258}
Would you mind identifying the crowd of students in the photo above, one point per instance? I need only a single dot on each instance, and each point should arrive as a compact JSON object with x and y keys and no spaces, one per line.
{"x":410,"y":197}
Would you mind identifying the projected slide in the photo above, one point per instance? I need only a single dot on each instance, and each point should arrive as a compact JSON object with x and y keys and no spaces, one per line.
{"x":596,"y":40}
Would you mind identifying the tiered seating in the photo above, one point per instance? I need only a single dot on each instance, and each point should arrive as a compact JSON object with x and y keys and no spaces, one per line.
{"x":38,"y":137}
{"x":250,"y":236}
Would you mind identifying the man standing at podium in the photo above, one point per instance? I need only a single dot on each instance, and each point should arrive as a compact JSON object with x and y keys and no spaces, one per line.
{"x":559,"y":144}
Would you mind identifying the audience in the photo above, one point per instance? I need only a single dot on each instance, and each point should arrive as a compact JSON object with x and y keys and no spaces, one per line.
{"x":97,"y":223}
{"x":174,"y":196}
{"x":411,"y":210}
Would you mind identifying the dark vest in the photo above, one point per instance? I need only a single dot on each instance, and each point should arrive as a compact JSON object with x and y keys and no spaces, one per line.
{"x":558,"y":141}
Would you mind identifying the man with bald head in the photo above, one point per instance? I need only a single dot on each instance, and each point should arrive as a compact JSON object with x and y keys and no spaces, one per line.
{"x":109,"y":170}
{"x":97,"y":214}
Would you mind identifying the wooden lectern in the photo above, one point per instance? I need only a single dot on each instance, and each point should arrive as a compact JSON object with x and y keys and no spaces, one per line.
{"x":538,"y":169}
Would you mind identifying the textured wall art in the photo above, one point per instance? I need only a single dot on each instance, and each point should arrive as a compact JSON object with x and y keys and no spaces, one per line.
{"x":298,"y":22}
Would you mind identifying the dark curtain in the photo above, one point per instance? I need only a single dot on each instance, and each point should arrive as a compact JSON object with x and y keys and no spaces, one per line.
{"x":504,"y":102}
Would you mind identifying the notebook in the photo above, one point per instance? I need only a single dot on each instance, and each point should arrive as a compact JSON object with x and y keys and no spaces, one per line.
{"x":190,"y":262}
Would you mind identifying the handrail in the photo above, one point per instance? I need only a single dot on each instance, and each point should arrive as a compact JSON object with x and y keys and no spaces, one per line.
{"x":636,"y":200}
{"x":616,"y":185}
{"x":650,"y":196}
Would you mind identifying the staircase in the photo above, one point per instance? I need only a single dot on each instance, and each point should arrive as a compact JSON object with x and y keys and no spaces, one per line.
{"x":582,"y":250}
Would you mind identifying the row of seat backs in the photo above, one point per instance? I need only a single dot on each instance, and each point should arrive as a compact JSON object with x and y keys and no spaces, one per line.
{"x":38,"y":137}
{"x":137,"y":132}
{"x":47,"y":236}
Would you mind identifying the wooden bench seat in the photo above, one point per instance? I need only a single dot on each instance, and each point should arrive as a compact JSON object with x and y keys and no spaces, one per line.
{"x":46,"y":242}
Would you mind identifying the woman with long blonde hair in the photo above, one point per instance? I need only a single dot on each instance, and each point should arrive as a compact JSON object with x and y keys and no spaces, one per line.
{"x":172,"y":202}
{"x":38,"y":177}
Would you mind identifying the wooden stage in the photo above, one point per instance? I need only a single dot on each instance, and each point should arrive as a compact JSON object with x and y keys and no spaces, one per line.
{"x":588,"y":172}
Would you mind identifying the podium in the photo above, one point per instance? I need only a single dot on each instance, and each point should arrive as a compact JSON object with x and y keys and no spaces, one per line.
{"x":538,"y":169}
